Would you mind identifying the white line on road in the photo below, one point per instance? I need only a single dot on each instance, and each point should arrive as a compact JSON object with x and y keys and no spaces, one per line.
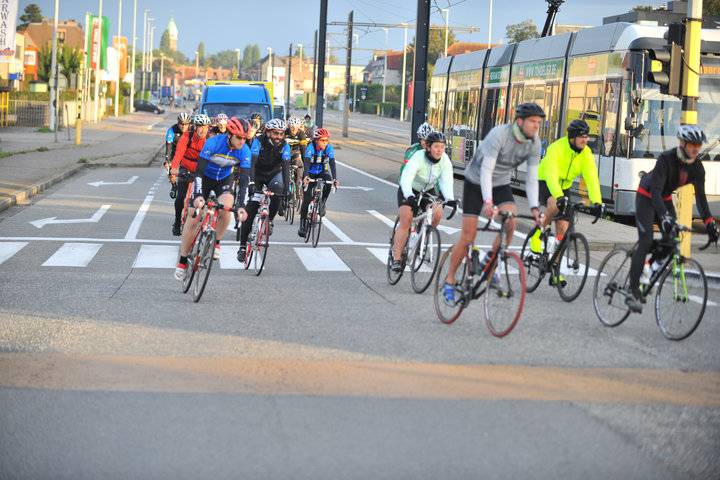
{"x":338,"y":233}
{"x":381,"y":180}
{"x":321,"y":260}
{"x":8,"y":249}
{"x":40,"y":223}
{"x":156,"y":256}
{"x":140,"y":215}
{"x":73,"y":255}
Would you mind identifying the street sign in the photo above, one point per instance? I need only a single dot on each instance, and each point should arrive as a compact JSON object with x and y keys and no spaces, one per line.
{"x":363,"y":93}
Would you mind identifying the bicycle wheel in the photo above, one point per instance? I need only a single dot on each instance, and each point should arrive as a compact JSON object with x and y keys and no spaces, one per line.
{"x":204,"y":262}
{"x":394,"y":277}
{"x":572,"y":267}
{"x":448,"y":312}
{"x":612,"y":286}
{"x":505,"y":294}
{"x":191,"y":267}
{"x":261,"y":246}
{"x":535,"y":264}
{"x":425,"y":259}
{"x":291,"y":208}
{"x":309,"y":220}
{"x":286,"y":203}
{"x":317,"y":224}
{"x":681,"y":299}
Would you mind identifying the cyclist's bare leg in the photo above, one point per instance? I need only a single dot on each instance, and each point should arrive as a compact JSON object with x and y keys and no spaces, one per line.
{"x":550,"y":211}
{"x":460,"y":249}
{"x":436,"y":214}
{"x":561,"y":227}
{"x":224,"y":219}
{"x":189,"y":230}
{"x":405,"y":214}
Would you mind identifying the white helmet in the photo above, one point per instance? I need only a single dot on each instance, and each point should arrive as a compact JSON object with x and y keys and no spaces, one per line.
{"x":424,"y":130}
{"x":183,"y":117}
{"x":691,"y":134}
{"x":201,"y":119}
{"x":276,"y":124}
{"x":296,"y":122}
{"x":221,"y":118}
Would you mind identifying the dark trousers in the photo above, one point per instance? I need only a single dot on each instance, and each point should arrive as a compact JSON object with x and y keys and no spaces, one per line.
{"x":275,"y":185}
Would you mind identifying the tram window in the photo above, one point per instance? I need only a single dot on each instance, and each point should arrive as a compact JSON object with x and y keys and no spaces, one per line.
{"x":608,"y":142}
{"x":494,"y":109}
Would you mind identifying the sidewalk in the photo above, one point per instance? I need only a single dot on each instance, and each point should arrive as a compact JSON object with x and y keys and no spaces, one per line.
{"x":36,"y":161}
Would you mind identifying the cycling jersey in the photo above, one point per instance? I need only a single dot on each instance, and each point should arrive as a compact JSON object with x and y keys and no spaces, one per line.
{"x":420,"y":174}
{"x":502,"y":150}
{"x":298,"y":142}
{"x":188,"y":150}
{"x":562,"y":165}
{"x":216,"y":131}
{"x":269,"y":159}
{"x":669,"y":174}
{"x":172,"y":136}
{"x":315,"y":161}
{"x":217,"y":159}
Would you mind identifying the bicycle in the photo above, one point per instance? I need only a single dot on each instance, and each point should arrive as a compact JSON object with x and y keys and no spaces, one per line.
{"x":681,"y":294}
{"x":200,"y":258}
{"x":258,"y":240}
{"x":422,"y":246}
{"x":316,"y":211}
{"x":567,"y":264}
{"x":291,"y":201}
{"x":502,"y":281}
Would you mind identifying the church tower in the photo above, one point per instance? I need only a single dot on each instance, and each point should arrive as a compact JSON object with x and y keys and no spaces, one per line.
{"x":173,"y":34}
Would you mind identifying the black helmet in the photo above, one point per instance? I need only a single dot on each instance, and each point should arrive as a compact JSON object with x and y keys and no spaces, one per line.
{"x":434,"y":137}
{"x":691,"y":134}
{"x":578,"y":128}
{"x":529,"y":109}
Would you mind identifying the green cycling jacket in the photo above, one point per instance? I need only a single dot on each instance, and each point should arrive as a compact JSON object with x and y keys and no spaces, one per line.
{"x":562,"y":165}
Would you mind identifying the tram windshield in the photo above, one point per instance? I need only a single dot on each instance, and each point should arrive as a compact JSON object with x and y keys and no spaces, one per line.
{"x":660,"y":117}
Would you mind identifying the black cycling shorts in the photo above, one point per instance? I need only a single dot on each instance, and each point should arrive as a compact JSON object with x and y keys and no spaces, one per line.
{"x":473,"y":199}
{"x":401,"y":200}
{"x":220,"y":187}
{"x":544,"y":194}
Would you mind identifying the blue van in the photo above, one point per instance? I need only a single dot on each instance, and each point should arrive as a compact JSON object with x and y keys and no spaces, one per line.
{"x":236,"y":100}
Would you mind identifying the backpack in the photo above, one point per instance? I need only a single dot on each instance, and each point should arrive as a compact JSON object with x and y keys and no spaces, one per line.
{"x":408,"y":153}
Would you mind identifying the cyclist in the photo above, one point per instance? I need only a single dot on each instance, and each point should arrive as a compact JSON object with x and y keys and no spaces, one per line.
{"x":487,"y":181}
{"x":424,"y":168}
{"x":565,"y":159}
{"x":295,"y":136}
{"x":674,"y":168}
{"x":271,"y":168}
{"x":220,"y":124}
{"x":257,"y":120}
{"x":185,"y":161}
{"x":173,"y":135}
{"x":213,"y":173}
{"x":308,"y":126}
{"x":422,"y":132}
{"x":318,"y":155}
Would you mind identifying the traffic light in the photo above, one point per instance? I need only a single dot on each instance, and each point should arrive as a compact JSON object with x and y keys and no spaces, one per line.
{"x":667,"y":68}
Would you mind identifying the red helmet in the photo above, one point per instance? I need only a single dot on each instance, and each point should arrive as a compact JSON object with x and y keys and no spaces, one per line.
{"x":321,"y":133}
{"x":238,"y":126}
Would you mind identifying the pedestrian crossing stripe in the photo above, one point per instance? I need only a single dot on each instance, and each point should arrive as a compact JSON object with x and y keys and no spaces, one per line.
{"x":8,"y":249}
{"x":73,"y":255}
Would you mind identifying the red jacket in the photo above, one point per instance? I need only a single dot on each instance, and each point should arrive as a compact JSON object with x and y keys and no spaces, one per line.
{"x":188,"y":151}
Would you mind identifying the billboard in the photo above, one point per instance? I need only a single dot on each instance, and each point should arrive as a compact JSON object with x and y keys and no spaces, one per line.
{"x":31,"y":61}
{"x":123,"y":49}
{"x":97,"y":45}
{"x":8,"y":20}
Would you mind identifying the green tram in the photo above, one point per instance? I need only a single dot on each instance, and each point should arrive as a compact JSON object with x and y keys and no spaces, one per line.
{"x":598,"y":74}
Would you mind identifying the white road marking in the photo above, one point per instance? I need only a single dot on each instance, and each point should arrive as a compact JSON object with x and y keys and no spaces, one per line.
{"x":8,"y":249}
{"x":129,"y":182}
{"x":156,"y":256}
{"x":381,"y":180}
{"x":40,"y":223}
{"x":335,"y":230}
{"x":140,"y":215}
{"x":322,"y":259}
{"x":73,"y":255}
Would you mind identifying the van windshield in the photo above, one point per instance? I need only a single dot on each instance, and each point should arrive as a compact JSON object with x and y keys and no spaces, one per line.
{"x":239,"y":110}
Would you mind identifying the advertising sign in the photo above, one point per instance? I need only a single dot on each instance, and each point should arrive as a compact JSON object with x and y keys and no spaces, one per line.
{"x":8,"y":20}
{"x":98,"y":46}
{"x":31,"y":61}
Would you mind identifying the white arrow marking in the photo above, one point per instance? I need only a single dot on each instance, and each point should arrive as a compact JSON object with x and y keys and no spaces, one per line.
{"x":94,"y":219}
{"x":364,"y":189}
{"x":129,"y":182}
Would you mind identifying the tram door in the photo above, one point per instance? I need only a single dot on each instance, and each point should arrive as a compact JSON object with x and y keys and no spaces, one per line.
{"x":550,"y":129}
{"x":493,"y":110}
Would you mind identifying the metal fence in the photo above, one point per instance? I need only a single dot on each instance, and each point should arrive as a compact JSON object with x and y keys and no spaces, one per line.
{"x":28,"y":112}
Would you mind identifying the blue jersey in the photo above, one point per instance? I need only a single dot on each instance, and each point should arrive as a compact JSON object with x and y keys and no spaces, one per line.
{"x":221,"y":158}
{"x":319,"y":159}
{"x":170,"y":135}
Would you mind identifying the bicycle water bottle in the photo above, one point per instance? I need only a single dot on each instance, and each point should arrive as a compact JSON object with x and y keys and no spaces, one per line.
{"x":655,"y":266}
{"x":474,"y":260}
{"x":645,"y":276}
{"x":414,"y":236}
{"x":552,"y":243}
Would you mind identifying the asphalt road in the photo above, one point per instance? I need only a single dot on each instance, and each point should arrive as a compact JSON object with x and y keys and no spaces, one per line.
{"x":317,"y":368}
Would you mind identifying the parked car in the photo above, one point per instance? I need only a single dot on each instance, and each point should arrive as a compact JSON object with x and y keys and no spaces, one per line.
{"x":147,"y":106}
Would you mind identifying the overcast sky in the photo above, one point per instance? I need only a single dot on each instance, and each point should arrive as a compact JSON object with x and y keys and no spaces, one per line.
{"x":236,"y":23}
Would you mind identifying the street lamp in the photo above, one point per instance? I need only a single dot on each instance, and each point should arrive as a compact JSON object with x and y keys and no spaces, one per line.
{"x":385,"y":70}
{"x":447,"y":24}
{"x":162,"y":64}
{"x":301,"y":63}
{"x":354,"y":99}
{"x":402,"y":88}
{"x":152,"y":36}
{"x":148,"y":65}
{"x":132,"y":62}
{"x":270,"y":57}
{"x":197,"y":64}
{"x":145,"y":22}
{"x":490,"y":25}
{"x":237,"y":50}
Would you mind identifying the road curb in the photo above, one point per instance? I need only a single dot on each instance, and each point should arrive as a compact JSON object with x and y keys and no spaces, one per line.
{"x":33,"y":190}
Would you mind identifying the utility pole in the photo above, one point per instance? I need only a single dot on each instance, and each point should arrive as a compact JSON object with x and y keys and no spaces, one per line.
{"x":322,"y":38}
{"x":288,"y":81}
{"x":132,"y":62}
{"x":402,"y":88}
{"x":314,"y":65}
{"x":97,"y":67}
{"x":690,"y":89}
{"x":422,"y":34}
{"x":384,"y":71}
{"x":117,"y":86}
{"x":348,"y":75}
{"x":53,"y":71}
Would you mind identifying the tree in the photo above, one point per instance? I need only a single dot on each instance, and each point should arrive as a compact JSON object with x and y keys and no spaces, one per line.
{"x":32,"y":15}
{"x":255,"y":54}
{"x":69,"y":58}
{"x":246,"y":57}
{"x":165,"y":42}
{"x":201,"y":53}
{"x":643,"y":8}
{"x":711,"y":7}
{"x":521,"y":31}
{"x":223,"y":59}
{"x":436,"y":44}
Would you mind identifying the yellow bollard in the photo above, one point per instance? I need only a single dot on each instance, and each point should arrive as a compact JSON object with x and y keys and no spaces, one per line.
{"x":78,"y":130}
